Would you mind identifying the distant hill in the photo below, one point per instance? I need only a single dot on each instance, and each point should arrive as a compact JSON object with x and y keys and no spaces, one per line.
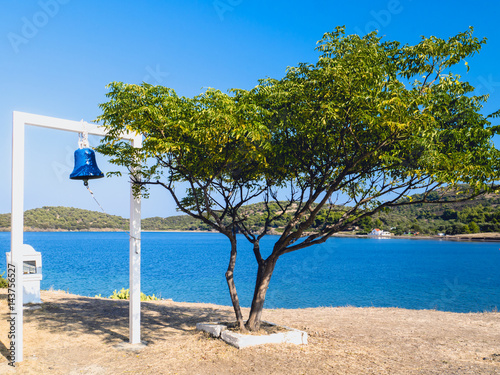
{"x":479,"y":215}
{"x":180,"y":222}
{"x":66,"y":218}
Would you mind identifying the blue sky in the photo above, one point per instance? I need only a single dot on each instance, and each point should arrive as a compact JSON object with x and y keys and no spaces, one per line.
{"x":57,"y":56}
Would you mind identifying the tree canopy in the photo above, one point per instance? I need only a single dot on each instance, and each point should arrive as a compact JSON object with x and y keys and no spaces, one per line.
{"x":363,"y":128}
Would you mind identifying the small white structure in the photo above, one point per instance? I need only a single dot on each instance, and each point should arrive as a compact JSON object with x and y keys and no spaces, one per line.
{"x":32,"y":274}
{"x":380,"y":233}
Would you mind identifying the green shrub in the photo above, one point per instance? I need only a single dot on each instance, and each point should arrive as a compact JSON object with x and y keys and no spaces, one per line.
{"x":122,"y":294}
{"x":125,"y":294}
{"x":3,"y":282}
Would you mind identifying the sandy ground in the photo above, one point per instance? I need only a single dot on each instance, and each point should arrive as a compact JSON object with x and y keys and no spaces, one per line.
{"x":70,"y":334}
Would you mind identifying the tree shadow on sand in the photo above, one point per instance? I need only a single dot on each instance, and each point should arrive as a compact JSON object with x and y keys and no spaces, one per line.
{"x":109,"y":319}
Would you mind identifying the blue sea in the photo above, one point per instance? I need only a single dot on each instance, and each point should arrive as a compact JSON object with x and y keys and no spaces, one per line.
{"x":190,"y":267}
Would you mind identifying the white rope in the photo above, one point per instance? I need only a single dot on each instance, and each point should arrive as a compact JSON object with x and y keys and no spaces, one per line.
{"x":93,"y":196}
{"x":86,"y":183}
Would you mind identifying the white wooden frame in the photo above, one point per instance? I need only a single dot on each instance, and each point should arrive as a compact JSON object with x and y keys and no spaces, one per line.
{"x":19,"y":120}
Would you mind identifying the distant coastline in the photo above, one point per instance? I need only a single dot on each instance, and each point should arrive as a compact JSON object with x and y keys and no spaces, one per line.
{"x":472,"y":237}
{"x":477,"y":220}
{"x":479,"y":237}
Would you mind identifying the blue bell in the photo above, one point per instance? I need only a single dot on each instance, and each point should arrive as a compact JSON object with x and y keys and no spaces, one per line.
{"x":85,"y":166}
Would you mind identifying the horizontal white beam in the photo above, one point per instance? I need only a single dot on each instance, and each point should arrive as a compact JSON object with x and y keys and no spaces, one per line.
{"x":68,"y":125}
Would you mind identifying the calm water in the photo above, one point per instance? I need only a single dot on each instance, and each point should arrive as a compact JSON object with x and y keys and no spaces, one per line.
{"x":415,"y":274}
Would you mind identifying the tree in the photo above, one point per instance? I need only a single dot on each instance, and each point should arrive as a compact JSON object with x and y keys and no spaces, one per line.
{"x":213,"y":142}
{"x":473,"y":227}
{"x":347,"y":137}
{"x":449,"y":214}
{"x":378,"y":223}
{"x":366,"y":224}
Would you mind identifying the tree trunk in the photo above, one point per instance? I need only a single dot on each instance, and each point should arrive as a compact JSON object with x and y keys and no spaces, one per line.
{"x":264,"y":274}
{"x":232,"y":287}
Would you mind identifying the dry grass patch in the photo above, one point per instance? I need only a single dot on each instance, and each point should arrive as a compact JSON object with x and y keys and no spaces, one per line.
{"x":80,"y":335}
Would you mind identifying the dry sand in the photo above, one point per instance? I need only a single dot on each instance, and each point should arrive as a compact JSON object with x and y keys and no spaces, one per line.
{"x":71,"y":334}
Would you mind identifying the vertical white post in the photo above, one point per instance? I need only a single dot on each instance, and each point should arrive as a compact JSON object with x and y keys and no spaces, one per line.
{"x":16,"y":241}
{"x":135,"y":264}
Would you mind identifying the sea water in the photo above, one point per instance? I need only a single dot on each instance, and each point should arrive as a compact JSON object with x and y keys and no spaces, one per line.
{"x":190,"y":267}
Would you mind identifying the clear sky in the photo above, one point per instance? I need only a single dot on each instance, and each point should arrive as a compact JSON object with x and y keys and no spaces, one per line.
{"x":57,"y":56}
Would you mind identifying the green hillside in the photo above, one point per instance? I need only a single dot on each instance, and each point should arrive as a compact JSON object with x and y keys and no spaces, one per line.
{"x":181,"y":222}
{"x":480,"y":215}
{"x":66,"y":218}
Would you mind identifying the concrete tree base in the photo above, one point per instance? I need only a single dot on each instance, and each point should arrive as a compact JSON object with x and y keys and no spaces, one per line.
{"x":240,"y":341}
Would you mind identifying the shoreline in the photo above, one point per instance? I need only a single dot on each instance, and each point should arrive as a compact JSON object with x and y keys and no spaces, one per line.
{"x":475,"y":237}
{"x":494,"y":310}
{"x":472,"y":237}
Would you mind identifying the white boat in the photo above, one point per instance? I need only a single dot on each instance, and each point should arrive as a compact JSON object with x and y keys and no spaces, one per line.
{"x":380,"y":233}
